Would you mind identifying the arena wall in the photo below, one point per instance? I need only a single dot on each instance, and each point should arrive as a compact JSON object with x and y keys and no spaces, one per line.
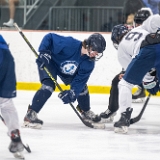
{"x":26,"y":69}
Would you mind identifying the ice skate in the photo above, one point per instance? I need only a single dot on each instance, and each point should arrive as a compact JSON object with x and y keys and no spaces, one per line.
{"x":107,"y":116}
{"x":89,"y":115}
{"x":16,"y":147}
{"x":139,"y":95}
{"x":92,"y":118}
{"x":31,"y":120}
{"x":124,"y":122}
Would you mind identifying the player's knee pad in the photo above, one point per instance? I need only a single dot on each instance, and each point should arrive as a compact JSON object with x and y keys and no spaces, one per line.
{"x":125,"y":83}
{"x":43,"y":94}
{"x":84,"y":99}
{"x":49,"y":85}
{"x":116,"y":80}
{"x":46,"y":90}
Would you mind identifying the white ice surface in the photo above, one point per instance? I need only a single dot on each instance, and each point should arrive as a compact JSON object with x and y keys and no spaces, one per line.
{"x":65,"y":137}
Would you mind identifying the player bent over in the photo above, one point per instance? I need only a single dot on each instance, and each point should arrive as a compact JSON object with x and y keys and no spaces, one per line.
{"x":7,"y":92}
{"x":138,"y":53}
{"x":71,"y":60}
{"x":139,"y":96}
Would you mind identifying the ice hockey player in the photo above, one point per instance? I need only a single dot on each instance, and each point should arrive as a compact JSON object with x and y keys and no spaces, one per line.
{"x":73,"y":61}
{"x":7,"y":92}
{"x":138,"y":53}
{"x":139,"y":17}
{"x":139,"y":95}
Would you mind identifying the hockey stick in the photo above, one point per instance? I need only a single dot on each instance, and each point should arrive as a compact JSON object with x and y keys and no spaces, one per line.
{"x":26,"y":147}
{"x":87,"y":123}
{"x":136,"y":119}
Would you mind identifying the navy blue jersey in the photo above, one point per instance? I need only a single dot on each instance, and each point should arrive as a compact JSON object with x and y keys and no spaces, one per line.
{"x":67,"y":61}
{"x":7,"y":71}
{"x":3,"y":45}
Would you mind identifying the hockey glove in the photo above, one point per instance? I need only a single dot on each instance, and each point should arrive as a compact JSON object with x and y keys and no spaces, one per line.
{"x":67,"y":96}
{"x":44,"y":58}
{"x":152,"y":87}
{"x":149,"y":85}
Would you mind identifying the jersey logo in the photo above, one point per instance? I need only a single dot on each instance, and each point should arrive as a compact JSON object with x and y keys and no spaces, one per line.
{"x":69,"y":67}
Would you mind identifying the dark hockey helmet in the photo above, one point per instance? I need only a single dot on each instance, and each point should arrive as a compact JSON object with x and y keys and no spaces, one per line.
{"x":142,"y":15}
{"x":97,"y":42}
{"x":118,"y":32}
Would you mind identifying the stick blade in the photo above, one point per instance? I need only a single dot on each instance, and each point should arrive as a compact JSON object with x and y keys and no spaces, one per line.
{"x":136,"y":119}
{"x":91,"y":124}
{"x":27,"y":148}
{"x":133,"y":120}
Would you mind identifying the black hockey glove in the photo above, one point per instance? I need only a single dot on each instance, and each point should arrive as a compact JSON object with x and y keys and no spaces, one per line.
{"x":67,"y":96}
{"x":45,"y":59}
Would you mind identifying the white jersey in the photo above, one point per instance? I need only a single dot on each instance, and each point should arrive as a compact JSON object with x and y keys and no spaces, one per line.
{"x":130,"y":45}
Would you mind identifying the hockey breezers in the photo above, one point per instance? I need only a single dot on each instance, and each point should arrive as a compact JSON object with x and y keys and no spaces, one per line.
{"x":26,"y":147}
{"x":89,"y":124}
{"x":136,"y":119}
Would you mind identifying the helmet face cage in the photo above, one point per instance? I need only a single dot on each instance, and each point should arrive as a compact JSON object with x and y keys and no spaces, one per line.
{"x":115,"y":45}
{"x":96,"y":42}
{"x":97,"y":57}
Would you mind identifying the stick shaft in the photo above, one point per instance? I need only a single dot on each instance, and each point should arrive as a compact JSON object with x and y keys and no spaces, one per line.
{"x":136,"y":119}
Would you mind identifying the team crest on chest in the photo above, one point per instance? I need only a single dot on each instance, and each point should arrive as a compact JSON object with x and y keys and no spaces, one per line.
{"x":69,"y":67}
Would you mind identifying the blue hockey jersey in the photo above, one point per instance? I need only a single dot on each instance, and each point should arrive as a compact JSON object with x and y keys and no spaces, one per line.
{"x":71,"y":66}
{"x":7,"y":71}
{"x":3,"y":45}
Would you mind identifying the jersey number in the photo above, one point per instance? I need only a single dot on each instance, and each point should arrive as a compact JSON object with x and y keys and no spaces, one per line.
{"x":134,"y":35}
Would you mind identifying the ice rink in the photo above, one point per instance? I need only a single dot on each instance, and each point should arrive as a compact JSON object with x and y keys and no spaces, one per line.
{"x":64,"y":137}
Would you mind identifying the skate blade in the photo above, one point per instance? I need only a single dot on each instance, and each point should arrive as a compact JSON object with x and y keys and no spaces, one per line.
{"x":106,"y":120}
{"x":18,"y":155}
{"x":138,"y":100}
{"x":98,"y":125}
{"x":123,"y":129}
{"x":109,"y":119}
{"x":31,"y":125}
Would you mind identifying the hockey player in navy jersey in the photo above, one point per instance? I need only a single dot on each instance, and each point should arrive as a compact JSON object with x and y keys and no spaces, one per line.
{"x":139,"y":95}
{"x":138,"y":53}
{"x":7,"y":92}
{"x":71,"y":60}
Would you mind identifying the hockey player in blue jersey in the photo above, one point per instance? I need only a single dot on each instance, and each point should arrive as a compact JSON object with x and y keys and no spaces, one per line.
{"x":71,"y":60}
{"x":138,"y":53}
{"x":7,"y":92}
